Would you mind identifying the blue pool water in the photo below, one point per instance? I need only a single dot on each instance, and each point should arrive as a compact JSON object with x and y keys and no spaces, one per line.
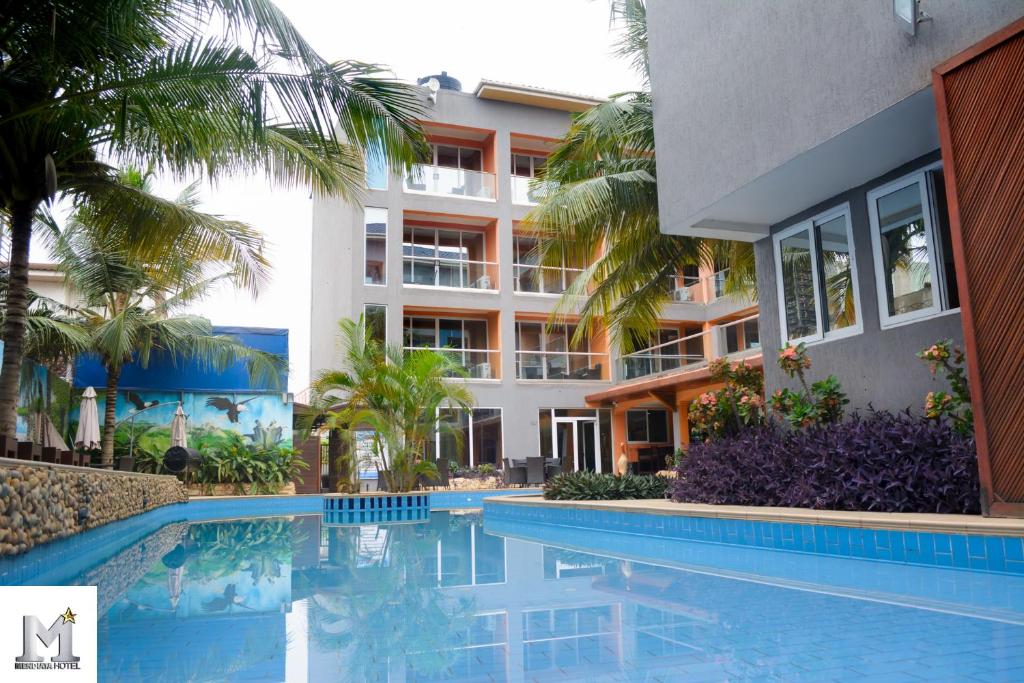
{"x":450,"y":596}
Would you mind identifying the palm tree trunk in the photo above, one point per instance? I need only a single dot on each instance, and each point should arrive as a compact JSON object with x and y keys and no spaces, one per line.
{"x":14,"y":322}
{"x":110,"y":416}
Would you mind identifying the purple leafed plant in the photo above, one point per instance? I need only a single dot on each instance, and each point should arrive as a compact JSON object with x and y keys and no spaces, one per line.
{"x":879,"y":461}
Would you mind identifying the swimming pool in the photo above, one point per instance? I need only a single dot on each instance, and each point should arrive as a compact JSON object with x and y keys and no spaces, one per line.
{"x":452,"y":596}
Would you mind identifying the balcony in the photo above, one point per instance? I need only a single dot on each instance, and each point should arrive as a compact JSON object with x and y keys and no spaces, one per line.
{"x":530,"y":279}
{"x":731,"y":340}
{"x":528,"y":191}
{"x":561,"y":365}
{"x":703,"y":290}
{"x":444,"y":272}
{"x":478,"y":363}
{"x":450,"y":182}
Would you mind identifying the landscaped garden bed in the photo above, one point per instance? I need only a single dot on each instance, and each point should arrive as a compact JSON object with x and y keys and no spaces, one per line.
{"x":809,"y":454}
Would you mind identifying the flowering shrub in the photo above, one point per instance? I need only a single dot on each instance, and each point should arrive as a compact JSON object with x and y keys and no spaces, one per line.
{"x":820,"y":403}
{"x":881,"y":461}
{"x":955,"y":406}
{"x":737,"y":405}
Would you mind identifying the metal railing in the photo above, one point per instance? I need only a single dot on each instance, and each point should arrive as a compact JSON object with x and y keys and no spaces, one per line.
{"x":444,"y":272}
{"x":449,"y":181}
{"x":536,"y":279}
{"x":737,"y":338}
{"x":705,"y":290}
{"x":561,"y":365}
{"x":479,"y":363}
{"x":528,"y":191}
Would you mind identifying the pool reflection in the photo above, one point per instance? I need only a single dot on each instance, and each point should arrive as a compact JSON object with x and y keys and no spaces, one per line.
{"x":438,"y":599}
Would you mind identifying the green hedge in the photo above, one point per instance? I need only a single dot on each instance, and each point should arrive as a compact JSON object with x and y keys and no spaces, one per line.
{"x":594,"y":486}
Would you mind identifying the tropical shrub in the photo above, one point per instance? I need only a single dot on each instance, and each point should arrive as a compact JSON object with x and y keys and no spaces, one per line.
{"x":881,"y":461}
{"x":594,"y":486}
{"x":730,"y":409}
{"x":250,"y":469}
{"x":955,"y":406}
{"x":819,"y":403}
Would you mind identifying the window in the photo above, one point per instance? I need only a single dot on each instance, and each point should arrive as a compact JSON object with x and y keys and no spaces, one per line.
{"x":647,"y":426}
{"x":479,"y":440}
{"x":451,"y":156}
{"x":375,"y":222}
{"x":445,"y":258}
{"x":534,"y":278}
{"x":376,"y":316}
{"x":817,"y":278}
{"x":527,"y":165}
{"x":542,"y":352}
{"x":914,"y":271}
{"x":467,"y":338}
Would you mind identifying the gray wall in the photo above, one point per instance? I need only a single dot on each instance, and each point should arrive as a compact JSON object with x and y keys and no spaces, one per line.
{"x":742,"y":87}
{"x":878,"y":366}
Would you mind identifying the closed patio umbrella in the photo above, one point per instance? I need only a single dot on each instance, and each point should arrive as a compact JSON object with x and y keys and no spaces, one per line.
{"x":178,"y":435}
{"x":47,"y":434}
{"x":88,"y":434}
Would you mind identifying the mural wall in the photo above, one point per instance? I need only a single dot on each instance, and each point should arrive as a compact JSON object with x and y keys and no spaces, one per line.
{"x":220,"y":406}
{"x":260,"y":419}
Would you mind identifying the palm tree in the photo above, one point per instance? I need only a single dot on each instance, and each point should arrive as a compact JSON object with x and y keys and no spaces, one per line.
{"x":83,"y":81}
{"x":398,"y":395}
{"x":129,"y":308}
{"x":602,"y":208}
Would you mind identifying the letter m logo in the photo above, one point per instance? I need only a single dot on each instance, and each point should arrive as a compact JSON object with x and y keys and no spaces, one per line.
{"x":34,"y":630}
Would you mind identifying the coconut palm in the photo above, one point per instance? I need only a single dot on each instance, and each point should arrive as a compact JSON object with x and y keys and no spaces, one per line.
{"x":601,"y":209}
{"x":397,"y":395}
{"x":130,"y":310}
{"x":133,"y":81}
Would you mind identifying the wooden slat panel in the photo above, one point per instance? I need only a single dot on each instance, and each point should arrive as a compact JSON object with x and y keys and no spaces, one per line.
{"x":980,"y":102}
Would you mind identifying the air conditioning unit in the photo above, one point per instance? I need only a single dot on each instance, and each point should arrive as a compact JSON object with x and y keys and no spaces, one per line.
{"x":682,"y":294}
{"x":482,"y":371}
{"x":483,"y":282}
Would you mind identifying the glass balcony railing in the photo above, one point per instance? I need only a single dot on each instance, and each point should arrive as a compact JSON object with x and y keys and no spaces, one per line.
{"x":735,"y":339}
{"x":543,"y":279}
{"x":478,"y":363}
{"x":528,"y":191}
{"x":441,"y":272}
{"x":703,"y":290}
{"x":444,"y":180}
{"x":561,"y":365}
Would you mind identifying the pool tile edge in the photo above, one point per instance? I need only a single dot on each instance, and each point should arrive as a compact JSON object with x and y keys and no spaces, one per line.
{"x":889,"y":521}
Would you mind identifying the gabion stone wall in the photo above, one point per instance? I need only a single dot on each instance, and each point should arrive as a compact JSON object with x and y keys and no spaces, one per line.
{"x":42,"y":502}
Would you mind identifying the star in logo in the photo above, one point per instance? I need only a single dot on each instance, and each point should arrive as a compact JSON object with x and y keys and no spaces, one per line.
{"x":68,"y":616}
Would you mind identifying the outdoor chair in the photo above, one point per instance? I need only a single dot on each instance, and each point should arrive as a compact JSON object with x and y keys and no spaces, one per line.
{"x":513,"y":475}
{"x":552,"y":466}
{"x":29,"y":451}
{"x":534,"y":471}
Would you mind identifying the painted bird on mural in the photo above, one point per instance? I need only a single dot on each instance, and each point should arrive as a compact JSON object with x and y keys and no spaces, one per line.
{"x":223,"y":403}
{"x":138,"y":402}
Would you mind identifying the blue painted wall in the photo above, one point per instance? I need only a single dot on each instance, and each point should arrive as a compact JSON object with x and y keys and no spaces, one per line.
{"x":265,"y":416}
{"x":165,"y":373}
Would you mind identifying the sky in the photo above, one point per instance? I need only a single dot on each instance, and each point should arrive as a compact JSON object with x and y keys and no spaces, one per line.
{"x":556,"y":44}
